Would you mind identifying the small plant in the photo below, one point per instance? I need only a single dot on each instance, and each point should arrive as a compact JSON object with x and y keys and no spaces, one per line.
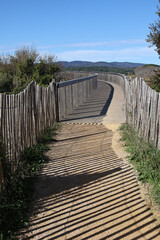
{"x":16,"y":198}
{"x":145,"y":157}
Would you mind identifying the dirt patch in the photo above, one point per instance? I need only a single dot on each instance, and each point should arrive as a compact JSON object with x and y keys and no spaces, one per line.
{"x":117,"y":144}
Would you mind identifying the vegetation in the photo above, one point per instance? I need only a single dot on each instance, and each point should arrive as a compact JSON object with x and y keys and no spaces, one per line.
{"x":154,"y":39}
{"x":146,"y":72}
{"x":154,"y":36}
{"x":102,"y":69}
{"x":145,"y":157}
{"x":16,"y":71}
{"x":15,"y":199}
{"x":150,"y":65}
{"x":151,"y":74}
{"x":154,"y":81}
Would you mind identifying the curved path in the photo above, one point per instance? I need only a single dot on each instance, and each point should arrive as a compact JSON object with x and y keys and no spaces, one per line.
{"x":86,"y":190}
{"x":104,"y":105}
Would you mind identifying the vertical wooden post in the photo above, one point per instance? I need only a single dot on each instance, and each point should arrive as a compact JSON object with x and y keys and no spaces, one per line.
{"x":56,"y":101}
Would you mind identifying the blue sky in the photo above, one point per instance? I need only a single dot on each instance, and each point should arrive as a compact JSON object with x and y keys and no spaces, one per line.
{"x":89,"y":30}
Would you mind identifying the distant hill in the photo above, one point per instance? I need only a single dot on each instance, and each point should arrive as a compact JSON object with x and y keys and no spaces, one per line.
{"x":100,"y":64}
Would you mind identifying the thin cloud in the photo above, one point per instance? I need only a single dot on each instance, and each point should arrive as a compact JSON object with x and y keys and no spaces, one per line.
{"x":135,"y":50}
{"x":127,"y":54}
{"x":120,"y":43}
{"x":6,"y":50}
{"x":96,"y":44}
{"x":107,"y":43}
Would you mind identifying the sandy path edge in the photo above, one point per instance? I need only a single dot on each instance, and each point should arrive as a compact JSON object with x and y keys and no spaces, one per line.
{"x":145,"y":188}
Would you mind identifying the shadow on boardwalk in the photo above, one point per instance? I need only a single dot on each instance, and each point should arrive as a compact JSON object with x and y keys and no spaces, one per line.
{"x":86,"y":192}
{"x":94,"y":109}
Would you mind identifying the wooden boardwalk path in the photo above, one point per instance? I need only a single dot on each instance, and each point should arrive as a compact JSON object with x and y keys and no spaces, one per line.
{"x":86,"y":191}
{"x":95,"y":108}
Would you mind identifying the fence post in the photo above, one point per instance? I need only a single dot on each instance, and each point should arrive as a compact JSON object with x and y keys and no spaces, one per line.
{"x":55,"y":85}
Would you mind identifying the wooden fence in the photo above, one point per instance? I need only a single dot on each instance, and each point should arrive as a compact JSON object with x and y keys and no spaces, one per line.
{"x":24,"y":116}
{"x":68,"y":75}
{"x":118,"y":79}
{"x":142,"y":104}
{"x":73,"y":93}
{"x":143,"y":110}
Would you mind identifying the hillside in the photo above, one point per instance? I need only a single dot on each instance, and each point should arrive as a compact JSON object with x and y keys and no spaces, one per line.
{"x":101,"y":69}
{"x":151,"y":74}
{"x":146,"y":71}
{"x":74,"y":64}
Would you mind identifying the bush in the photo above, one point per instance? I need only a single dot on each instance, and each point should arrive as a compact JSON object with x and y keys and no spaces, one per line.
{"x":154,"y":82}
{"x":145,"y":157}
{"x":17,"y":71}
{"x":5,"y":82}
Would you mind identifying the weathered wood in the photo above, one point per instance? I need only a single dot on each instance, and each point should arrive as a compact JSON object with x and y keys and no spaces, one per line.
{"x":74,"y":81}
{"x":158,"y":123}
{"x":142,"y":104}
{"x":74,"y":92}
{"x":23,"y":117}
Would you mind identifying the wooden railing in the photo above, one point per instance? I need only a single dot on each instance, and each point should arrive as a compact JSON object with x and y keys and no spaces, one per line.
{"x":24,"y":116}
{"x":73,"y":93}
{"x":143,"y":110}
{"x":142,"y":104}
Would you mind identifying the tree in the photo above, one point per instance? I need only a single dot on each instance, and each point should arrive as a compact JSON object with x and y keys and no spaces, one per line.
{"x":154,"y":36}
{"x":23,"y":62}
{"x":5,"y":82}
{"x":154,"y":39}
{"x":46,"y":70}
{"x":16,"y":71}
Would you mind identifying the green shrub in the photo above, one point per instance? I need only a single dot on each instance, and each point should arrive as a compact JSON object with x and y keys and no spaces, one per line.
{"x":5,"y":82}
{"x":26,"y":65}
{"x":145,"y":157}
